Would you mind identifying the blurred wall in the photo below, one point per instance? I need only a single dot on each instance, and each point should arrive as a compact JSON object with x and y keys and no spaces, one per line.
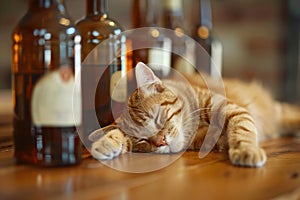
{"x":253,"y":34}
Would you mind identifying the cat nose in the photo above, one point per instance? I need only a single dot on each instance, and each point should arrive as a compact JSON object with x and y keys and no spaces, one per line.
{"x":159,"y":140}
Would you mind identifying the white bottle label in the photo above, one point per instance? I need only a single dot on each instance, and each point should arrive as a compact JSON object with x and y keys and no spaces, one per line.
{"x":216,"y":59}
{"x":118,"y":87}
{"x":186,"y":65}
{"x":160,"y":58}
{"x":55,"y":100}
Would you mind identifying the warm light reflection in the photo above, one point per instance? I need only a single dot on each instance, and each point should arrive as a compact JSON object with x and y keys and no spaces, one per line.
{"x":155,"y":33}
{"x":17,"y":38}
{"x":112,"y":23}
{"x":15,"y":54}
{"x":104,"y":17}
{"x":203,"y":32}
{"x":64,"y":21}
{"x":179,"y":32}
{"x":15,"y":47}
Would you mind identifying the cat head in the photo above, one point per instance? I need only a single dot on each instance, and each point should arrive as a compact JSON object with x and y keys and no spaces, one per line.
{"x":152,"y":116}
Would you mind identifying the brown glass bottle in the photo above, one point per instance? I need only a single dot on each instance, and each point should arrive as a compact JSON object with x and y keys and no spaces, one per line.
{"x":145,"y":14}
{"x":202,"y":34}
{"x":173,"y":15}
{"x":44,"y":42}
{"x":173,"y":18}
{"x":95,"y":28}
{"x":211,"y":61}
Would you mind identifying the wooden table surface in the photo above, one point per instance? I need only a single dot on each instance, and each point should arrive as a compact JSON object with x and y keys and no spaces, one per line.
{"x":188,"y":177}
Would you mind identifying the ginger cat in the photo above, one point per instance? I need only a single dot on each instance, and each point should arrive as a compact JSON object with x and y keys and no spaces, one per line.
{"x":166,"y":116}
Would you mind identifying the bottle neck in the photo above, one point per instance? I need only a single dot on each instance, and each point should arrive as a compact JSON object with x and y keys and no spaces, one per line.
{"x":173,"y":15}
{"x":205,"y":19}
{"x":173,"y":6}
{"x":46,"y":4}
{"x":151,"y":13}
{"x":144,"y":13}
{"x":96,"y":7}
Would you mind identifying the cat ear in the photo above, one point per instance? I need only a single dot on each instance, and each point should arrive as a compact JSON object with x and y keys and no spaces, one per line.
{"x":144,"y":75}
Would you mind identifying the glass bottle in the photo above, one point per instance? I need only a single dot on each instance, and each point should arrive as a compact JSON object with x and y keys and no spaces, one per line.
{"x":157,"y":56}
{"x":95,"y":28}
{"x":46,"y":52}
{"x":173,"y":15}
{"x":144,"y":13}
{"x":212,"y":61}
{"x":173,"y":18}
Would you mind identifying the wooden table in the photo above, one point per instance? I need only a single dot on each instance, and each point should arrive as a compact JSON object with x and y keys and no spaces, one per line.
{"x":189,"y":177}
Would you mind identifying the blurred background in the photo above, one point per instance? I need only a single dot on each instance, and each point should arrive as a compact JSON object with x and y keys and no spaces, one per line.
{"x":260,"y":38}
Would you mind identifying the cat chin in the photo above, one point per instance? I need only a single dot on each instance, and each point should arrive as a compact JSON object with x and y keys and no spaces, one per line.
{"x":171,"y":148}
{"x":176,"y":144}
{"x":177,"y":147}
{"x":163,"y":149}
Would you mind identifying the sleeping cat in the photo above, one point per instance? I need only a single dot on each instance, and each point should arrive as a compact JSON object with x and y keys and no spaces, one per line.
{"x":166,"y":116}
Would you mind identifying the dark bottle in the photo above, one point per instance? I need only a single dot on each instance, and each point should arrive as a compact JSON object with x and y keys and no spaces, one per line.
{"x":173,"y":15}
{"x":46,"y":52}
{"x":211,"y":61}
{"x":96,"y":26}
{"x":173,"y":18}
{"x":145,"y":14}
{"x":107,"y":101}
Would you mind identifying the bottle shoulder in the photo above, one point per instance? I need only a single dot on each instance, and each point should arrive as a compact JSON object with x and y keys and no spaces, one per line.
{"x":98,"y":23}
{"x":49,"y":21}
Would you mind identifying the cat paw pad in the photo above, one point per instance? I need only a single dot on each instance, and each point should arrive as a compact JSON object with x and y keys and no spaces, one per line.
{"x":109,"y":146}
{"x":248,"y":156}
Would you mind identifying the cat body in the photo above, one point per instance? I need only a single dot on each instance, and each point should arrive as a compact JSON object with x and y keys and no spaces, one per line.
{"x":170,"y":116}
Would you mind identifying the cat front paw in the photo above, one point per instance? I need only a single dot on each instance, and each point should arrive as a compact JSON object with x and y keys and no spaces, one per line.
{"x":248,"y":156}
{"x":108,"y":146}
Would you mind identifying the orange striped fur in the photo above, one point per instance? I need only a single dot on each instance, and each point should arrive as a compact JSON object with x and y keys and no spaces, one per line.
{"x":168,"y":117}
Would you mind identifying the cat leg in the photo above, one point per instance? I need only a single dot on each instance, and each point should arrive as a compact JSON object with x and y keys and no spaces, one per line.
{"x":242,"y":138}
{"x":111,"y":145}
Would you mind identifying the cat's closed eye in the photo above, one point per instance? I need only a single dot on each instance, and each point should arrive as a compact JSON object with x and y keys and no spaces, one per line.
{"x":159,"y":117}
